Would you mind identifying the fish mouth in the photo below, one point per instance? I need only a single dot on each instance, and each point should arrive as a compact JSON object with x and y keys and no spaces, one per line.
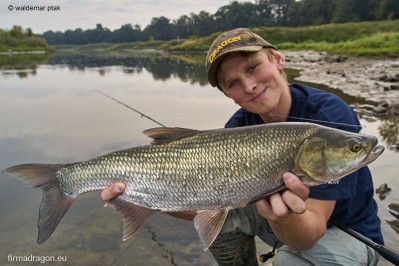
{"x":373,"y":154}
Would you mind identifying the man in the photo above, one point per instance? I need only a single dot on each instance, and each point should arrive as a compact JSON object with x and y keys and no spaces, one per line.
{"x":250,"y":71}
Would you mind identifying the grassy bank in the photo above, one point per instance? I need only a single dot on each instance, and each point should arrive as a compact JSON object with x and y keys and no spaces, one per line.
{"x":24,"y":46}
{"x":379,"y":38}
{"x":19,"y":40}
{"x":357,"y":39}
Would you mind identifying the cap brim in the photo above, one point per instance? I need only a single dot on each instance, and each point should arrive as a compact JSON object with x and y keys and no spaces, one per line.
{"x":212,"y":77}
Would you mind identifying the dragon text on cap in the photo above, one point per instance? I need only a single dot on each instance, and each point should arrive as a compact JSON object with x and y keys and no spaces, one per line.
{"x":221,"y":46}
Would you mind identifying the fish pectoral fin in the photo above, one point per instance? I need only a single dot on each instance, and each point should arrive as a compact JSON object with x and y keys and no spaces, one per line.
{"x":208,"y":224}
{"x":133,"y":216}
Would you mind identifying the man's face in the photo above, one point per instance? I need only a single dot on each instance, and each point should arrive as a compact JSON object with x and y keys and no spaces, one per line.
{"x":253,"y":81}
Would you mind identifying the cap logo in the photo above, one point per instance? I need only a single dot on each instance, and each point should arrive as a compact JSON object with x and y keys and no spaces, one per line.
{"x":221,"y":46}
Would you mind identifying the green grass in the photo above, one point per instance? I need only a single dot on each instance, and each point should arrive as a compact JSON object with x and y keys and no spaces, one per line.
{"x":380,"y":44}
{"x":380,"y":38}
{"x":25,"y":44}
{"x":359,"y":39}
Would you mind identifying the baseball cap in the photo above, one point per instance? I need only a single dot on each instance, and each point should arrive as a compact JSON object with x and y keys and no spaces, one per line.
{"x":236,"y":40}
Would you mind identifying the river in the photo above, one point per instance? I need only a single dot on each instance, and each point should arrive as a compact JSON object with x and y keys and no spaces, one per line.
{"x":51,"y":113}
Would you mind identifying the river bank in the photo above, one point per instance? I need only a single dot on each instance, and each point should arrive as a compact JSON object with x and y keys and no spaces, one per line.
{"x":376,"y":79}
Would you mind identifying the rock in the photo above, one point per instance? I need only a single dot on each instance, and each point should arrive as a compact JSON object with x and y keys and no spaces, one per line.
{"x":380,"y":110}
{"x":383,"y":191}
{"x":391,"y":78}
{"x":393,"y":208}
{"x":394,"y":224}
{"x":395,"y":108}
{"x":361,"y":77}
{"x":336,"y":59}
{"x":394,"y":87}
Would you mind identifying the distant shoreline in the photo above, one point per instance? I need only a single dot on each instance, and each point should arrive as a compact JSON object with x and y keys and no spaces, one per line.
{"x":10,"y":52}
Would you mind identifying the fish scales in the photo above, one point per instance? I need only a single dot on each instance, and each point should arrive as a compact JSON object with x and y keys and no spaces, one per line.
{"x":209,"y":172}
{"x":205,"y":171}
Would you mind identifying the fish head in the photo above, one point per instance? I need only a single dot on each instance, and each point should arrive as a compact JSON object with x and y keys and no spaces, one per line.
{"x":331,"y":154}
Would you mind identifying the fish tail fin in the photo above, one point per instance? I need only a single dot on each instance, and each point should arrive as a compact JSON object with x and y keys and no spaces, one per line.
{"x":54,"y":203}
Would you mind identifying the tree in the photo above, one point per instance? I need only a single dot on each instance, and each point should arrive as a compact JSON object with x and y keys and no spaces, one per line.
{"x":126,"y":33}
{"x":236,"y":15}
{"x":29,"y":32}
{"x":354,"y":10}
{"x":387,"y":9}
{"x":74,"y":36}
{"x":161,"y":29}
{"x":310,"y":12}
{"x":16,"y":32}
{"x":274,"y":12}
{"x":203,"y":24}
{"x":183,"y":27}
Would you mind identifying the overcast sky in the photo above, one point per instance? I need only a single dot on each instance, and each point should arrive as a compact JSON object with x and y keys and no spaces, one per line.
{"x":85,"y":14}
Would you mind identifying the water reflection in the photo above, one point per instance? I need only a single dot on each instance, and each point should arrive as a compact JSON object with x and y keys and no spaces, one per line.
{"x":51,"y":114}
{"x":160,"y":65}
{"x":22,"y":65}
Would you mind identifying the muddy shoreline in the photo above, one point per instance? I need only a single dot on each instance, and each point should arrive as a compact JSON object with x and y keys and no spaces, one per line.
{"x":370,"y":78}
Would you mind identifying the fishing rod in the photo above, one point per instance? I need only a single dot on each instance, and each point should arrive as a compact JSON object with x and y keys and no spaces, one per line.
{"x":386,"y":252}
{"x":131,"y":108}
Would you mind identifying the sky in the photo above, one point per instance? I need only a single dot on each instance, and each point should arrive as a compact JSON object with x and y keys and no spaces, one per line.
{"x":61,"y":15}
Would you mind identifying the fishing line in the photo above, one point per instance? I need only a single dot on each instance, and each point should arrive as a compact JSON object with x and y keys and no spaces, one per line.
{"x":131,"y":108}
{"x":362,"y":127}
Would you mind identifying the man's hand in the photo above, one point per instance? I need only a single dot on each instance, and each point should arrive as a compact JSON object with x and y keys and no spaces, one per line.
{"x":281,"y":205}
{"x":113,"y":191}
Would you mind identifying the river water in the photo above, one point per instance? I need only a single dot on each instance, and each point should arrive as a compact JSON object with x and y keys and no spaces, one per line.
{"x":51,"y":113}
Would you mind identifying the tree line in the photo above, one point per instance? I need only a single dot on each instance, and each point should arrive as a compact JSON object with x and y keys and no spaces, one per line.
{"x":271,"y":13}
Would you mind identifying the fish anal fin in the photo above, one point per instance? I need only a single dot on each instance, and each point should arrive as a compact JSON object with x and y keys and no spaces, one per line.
{"x":133,"y":216}
{"x":160,"y":135}
{"x":208,"y":224}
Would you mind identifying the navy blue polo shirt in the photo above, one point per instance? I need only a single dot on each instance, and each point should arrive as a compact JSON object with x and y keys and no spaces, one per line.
{"x":355,"y":206}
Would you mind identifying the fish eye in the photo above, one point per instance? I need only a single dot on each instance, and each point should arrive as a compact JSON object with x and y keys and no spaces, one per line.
{"x":355,"y":146}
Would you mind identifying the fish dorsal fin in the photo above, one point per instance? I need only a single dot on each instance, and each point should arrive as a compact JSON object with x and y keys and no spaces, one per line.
{"x":160,"y":135}
{"x":133,"y":216}
{"x":208,"y":224}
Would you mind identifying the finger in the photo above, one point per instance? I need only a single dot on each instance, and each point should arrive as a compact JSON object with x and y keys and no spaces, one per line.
{"x":264,"y":209}
{"x":112,"y":191}
{"x":294,"y":202}
{"x":278,"y":205}
{"x":295,"y":185}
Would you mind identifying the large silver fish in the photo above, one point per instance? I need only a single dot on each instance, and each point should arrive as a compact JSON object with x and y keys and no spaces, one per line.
{"x":210,"y":171}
